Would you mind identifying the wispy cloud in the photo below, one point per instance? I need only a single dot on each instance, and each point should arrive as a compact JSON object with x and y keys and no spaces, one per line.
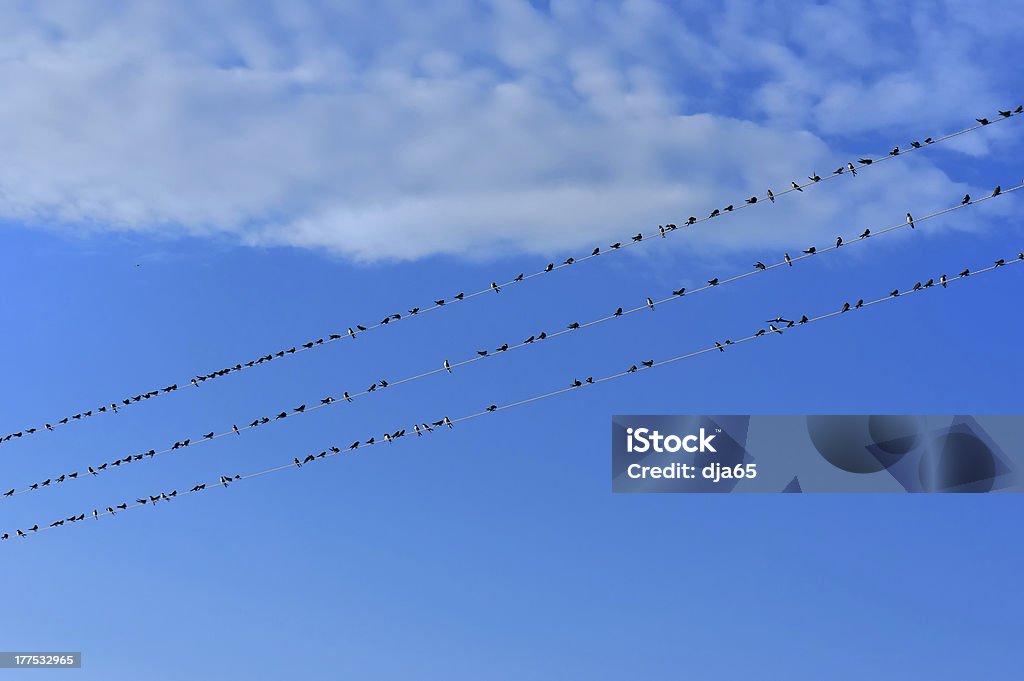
{"x":393,"y":131}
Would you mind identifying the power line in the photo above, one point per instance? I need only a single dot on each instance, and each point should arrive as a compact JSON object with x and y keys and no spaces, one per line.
{"x":354,"y":331}
{"x":226,"y":481}
{"x":448,"y":367}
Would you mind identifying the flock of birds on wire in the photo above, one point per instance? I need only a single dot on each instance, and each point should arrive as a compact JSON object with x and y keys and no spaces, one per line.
{"x":774,"y":326}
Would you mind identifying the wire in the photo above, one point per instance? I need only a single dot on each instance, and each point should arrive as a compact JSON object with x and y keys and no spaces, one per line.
{"x":449,"y":366}
{"x":353,"y":332}
{"x":226,"y":481}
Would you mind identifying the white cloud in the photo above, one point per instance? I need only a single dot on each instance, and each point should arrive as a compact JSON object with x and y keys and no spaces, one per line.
{"x":395,"y":133}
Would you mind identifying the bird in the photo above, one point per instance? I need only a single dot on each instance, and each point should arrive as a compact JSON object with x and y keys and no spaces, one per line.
{"x":1019,"y":109}
{"x":814,"y":177}
{"x":803,"y":320}
{"x":550,"y":267}
{"x":846,"y":307}
{"x":448,"y":422}
{"x":997,"y":191}
{"x":789,"y":261}
{"x":495,"y":287}
{"x":632,"y":369}
{"x":660,"y":229}
{"x":865,"y":161}
{"x":351,"y":333}
{"x":760,"y":332}
{"x":617,"y":244}
{"x":573,"y":326}
{"x":965,"y":200}
{"x":918,"y":286}
{"x":916,"y":145}
{"x":493,"y":407}
{"x":713,"y":282}
{"x":459,"y":296}
{"x":910,"y":220}
{"x":760,"y":265}
{"x":839,"y":241}
{"x":1000,"y":262}
{"x":965,"y":273}
{"x":771,"y":196}
{"x":895,"y":292}
{"x":519,"y":277}
{"x":795,"y":186}
{"x":529,"y":340}
{"x":648,"y":363}
{"x":347,"y":397}
{"x":752,"y":199}
{"x":719,"y":346}
{"x":447,"y":366}
{"x":929,"y":283}
{"x":728,"y":209}
{"x":650,"y":303}
{"x":852,"y":169}
{"x":860,"y":304}
{"x":895,"y":151}
{"x":617,"y":313}
{"x":811,"y":251}
{"x":9,"y":493}
{"x":774,"y":329}
{"x":983,"y":121}
{"x":416,"y":428}
{"x":576,"y":383}
{"x":596,"y":251}
{"x":638,"y":236}
{"x":503,"y":348}
{"x":1005,"y":114}
{"x":865,"y":234}
{"x":679,"y":292}
{"x":298,"y":464}
{"x":482,"y":353}
{"x":715,"y":213}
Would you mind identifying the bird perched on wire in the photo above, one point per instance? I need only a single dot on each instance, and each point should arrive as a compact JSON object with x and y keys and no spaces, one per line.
{"x":760,"y":265}
{"x":789,"y":261}
{"x":447,"y":366}
{"x":811,"y":251}
{"x":795,"y":186}
{"x":853,"y":170}
{"x":771,"y":196}
{"x":650,"y":303}
{"x":966,"y":200}
{"x":910,"y":220}
{"x":839,"y":241}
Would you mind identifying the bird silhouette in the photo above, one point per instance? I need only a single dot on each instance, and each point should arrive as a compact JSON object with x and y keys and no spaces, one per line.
{"x":648,"y":363}
{"x":596,"y":251}
{"x":617,"y":313}
{"x":846,"y":307}
{"x":789,"y":261}
{"x":965,"y":200}
{"x":719,"y":346}
{"x":814,"y":177}
{"x":895,"y":151}
{"x":795,"y":186}
{"x":752,"y":199}
{"x":679,"y":292}
{"x":573,"y":326}
{"x":852,"y":169}
{"x":447,"y":366}
{"x":715,"y":213}
{"x":760,"y":265}
{"x":713,"y":282}
{"x":650,"y":303}
{"x":771,"y":196}
{"x":493,"y":407}
{"x":965,"y":273}
{"x":983,"y":121}
{"x":910,"y":220}
{"x":803,"y":320}
{"x":865,"y":234}
{"x":997,"y":191}
{"x":495,"y":287}
{"x":811,"y":251}
{"x":865,"y":161}
{"x":638,"y":236}
{"x":839,"y":241}
{"x":1005,"y":114}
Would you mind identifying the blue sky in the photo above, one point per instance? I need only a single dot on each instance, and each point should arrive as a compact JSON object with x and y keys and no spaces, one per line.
{"x":174,"y":200}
